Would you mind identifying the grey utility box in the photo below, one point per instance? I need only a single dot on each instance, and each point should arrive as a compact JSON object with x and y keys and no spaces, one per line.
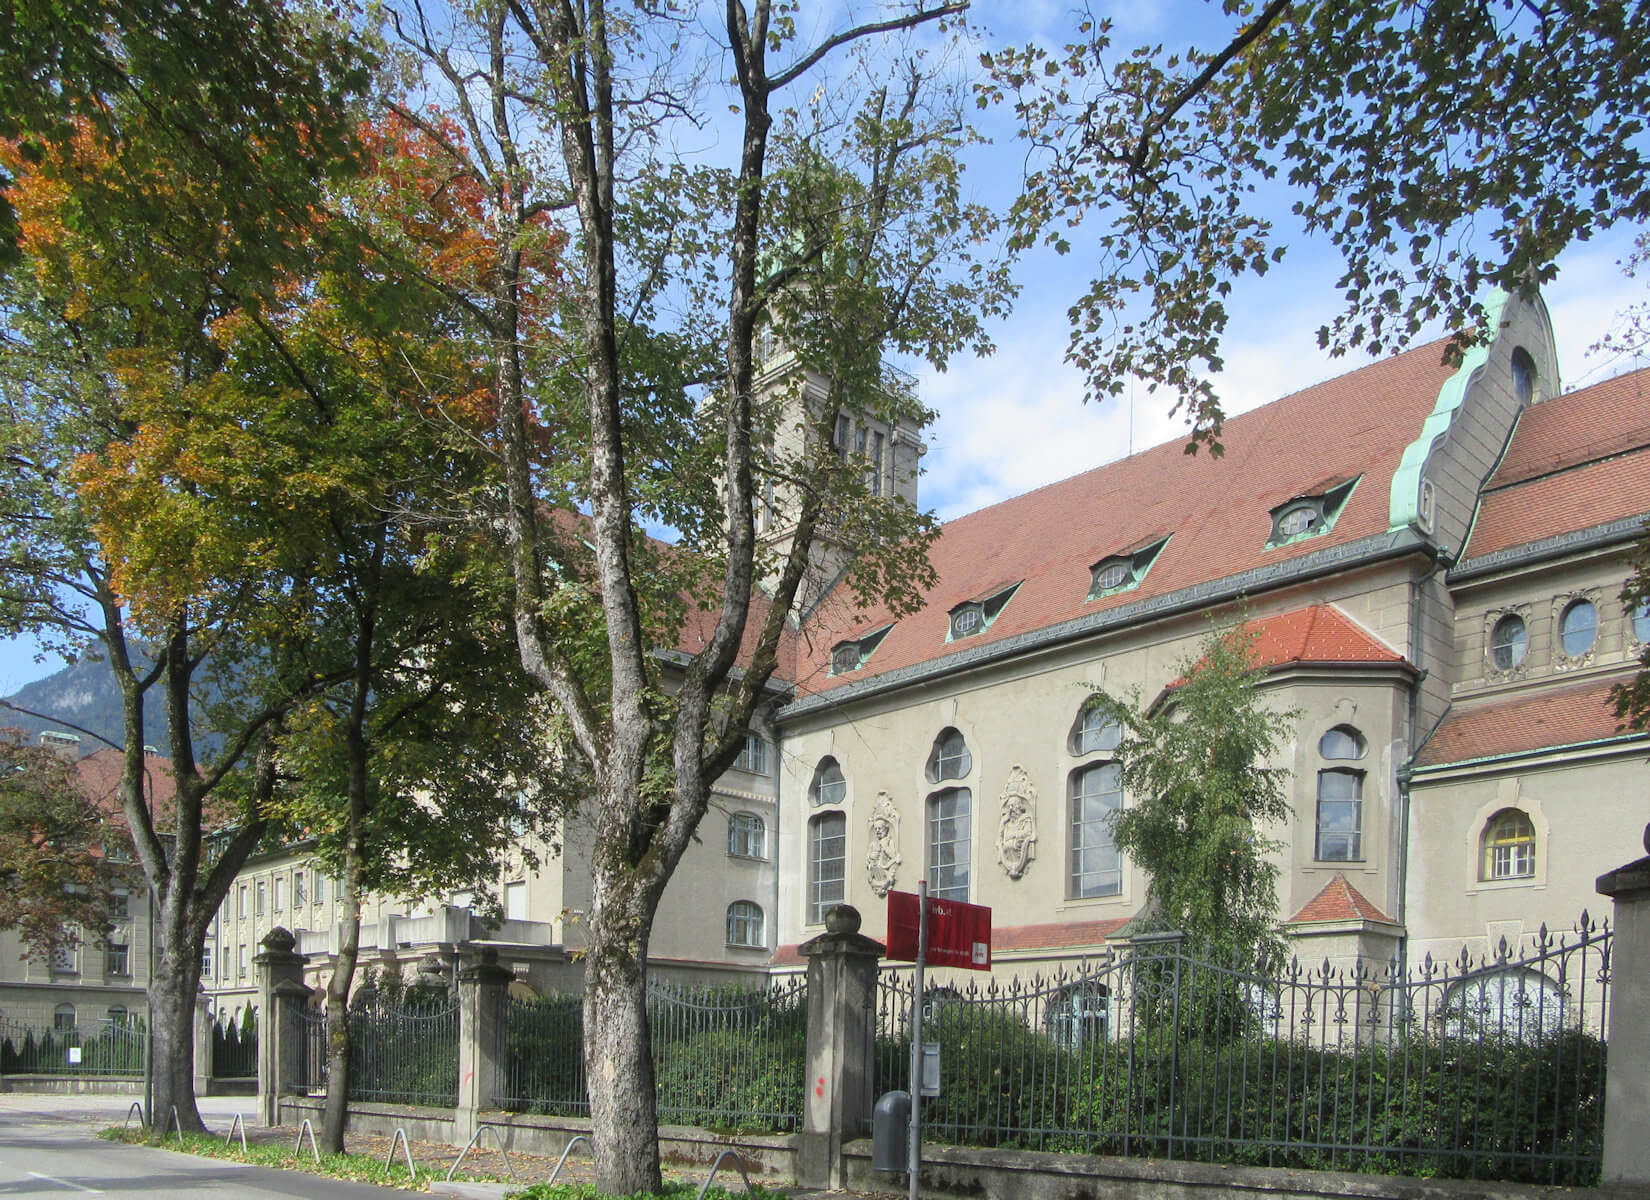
{"x":930,"y":1069}
{"x":891,"y":1132}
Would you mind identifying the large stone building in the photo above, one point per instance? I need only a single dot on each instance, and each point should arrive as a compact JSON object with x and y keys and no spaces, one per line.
{"x":1430,"y":555}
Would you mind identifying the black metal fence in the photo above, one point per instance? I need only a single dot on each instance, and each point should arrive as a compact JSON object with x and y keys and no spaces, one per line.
{"x":1490,"y":1068}
{"x":722,"y":1057}
{"x":106,"y":1048}
{"x":234,"y":1047}
{"x":402,"y":1050}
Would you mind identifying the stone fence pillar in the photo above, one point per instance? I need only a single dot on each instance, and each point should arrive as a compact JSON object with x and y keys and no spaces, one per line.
{"x":483,"y":1041}
{"x":203,"y":1046}
{"x":1627,"y":1081}
{"x":842,"y":1009}
{"x":282,"y":997}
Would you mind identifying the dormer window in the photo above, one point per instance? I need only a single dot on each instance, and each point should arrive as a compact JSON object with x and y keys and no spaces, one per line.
{"x":1307,"y":516}
{"x":1122,"y":571}
{"x":850,"y":654}
{"x":974,"y":616}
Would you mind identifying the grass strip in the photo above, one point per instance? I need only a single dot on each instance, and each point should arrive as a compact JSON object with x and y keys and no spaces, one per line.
{"x":359,"y":1168}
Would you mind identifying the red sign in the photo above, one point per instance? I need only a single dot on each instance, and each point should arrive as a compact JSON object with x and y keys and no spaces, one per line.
{"x":959,"y":934}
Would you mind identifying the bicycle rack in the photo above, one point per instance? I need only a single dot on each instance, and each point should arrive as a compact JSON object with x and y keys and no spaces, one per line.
{"x":238,"y":1123}
{"x":298,"y":1141}
{"x":177,"y":1125}
{"x":468,"y":1146}
{"x":720,"y":1159}
{"x":401,"y":1136}
{"x":568,"y":1149}
{"x":138,"y":1109}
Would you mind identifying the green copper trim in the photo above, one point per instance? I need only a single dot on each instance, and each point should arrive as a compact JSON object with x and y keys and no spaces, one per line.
{"x":1404,"y":509}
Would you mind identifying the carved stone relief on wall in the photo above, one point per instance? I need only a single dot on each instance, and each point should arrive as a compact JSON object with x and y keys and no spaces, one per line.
{"x":883,"y":859}
{"x":1017,"y":828}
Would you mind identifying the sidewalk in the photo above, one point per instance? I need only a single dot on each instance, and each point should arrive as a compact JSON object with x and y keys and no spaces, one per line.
{"x":433,"y":1158}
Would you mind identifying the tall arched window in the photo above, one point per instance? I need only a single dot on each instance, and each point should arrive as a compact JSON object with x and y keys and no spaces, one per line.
{"x":949,"y":759}
{"x":1340,"y":797}
{"x":1509,"y":846}
{"x":827,"y":863}
{"x":745,"y":924}
{"x":1096,"y":865}
{"x":950,"y":843}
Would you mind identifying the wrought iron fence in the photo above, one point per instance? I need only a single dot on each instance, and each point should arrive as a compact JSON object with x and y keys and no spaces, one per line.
{"x":730,"y":1057}
{"x":234,"y":1047}
{"x":402,"y":1051}
{"x":106,"y":1048}
{"x":1482,"y":1068}
{"x":723,"y":1057}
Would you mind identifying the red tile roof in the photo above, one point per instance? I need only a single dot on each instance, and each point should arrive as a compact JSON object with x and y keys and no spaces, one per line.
{"x":1319,"y":634}
{"x":1575,"y":461}
{"x":1218,"y":509}
{"x":1552,"y":717}
{"x":1338,"y":901}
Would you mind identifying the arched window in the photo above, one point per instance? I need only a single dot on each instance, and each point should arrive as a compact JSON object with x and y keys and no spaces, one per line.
{"x":830,"y":786}
{"x":63,"y":1017}
{"x":1094,"y":730}
{"x":949,"y":759}
{"x":745,"y":924}
{"x":827,"y":863}
{"x":1079,"y":1014}
{"x":1506,"y":1005}
{"x":1341,"y":742}
{"x":1340,"y":815}
{"x":1509,"y":846}
{"x":747,"y":836}
{"x":1509,"y":642}
{"x":950,"y":843}
{"x":1524,"y":377}
{"x":1096,"y":866}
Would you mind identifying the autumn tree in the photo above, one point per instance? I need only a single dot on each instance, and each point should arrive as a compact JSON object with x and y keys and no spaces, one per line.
{"x":1444,"y":147}
{"x":828,"y":211}
{"x":59,"y":855}
{"x":354,"y":434}
{"x":135,"y":239}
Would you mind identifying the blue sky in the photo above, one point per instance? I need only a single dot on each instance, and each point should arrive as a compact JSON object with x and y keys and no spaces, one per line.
{"x":1016,"y":420}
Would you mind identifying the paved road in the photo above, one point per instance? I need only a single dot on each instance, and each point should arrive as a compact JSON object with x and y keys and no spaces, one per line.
{"x":49,"y":1147}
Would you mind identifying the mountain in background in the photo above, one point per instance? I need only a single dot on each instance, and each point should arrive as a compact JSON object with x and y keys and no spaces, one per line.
{"x":83,"y":694}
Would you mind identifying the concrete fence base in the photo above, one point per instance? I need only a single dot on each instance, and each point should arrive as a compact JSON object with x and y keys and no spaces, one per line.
{"x":773,"y":1156}
{"x":956,"y":1171}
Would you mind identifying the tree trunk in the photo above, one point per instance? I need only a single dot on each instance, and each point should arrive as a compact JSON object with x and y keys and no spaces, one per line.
{"x":618,"y":1049}
{"x":172,"y":990}
{"x":338,"y":1045}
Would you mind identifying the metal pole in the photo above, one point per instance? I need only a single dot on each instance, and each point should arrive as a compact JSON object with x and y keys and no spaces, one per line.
{"x":914,"y":1148}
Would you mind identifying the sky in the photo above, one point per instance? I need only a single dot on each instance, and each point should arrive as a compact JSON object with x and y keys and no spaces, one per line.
{"x":1016,"y":420}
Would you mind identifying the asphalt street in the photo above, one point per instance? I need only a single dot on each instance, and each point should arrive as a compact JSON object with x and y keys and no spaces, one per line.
{"x":49,"y":1147}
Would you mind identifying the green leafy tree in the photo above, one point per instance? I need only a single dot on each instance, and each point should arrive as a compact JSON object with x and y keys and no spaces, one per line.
{"x":1202,"y":797}
{"x":832,"y":214}
{"x":1444,"y":147}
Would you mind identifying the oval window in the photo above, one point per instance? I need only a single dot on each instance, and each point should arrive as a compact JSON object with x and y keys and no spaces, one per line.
{"x":1113,"y":576}
{"x":966,"y":621}
{"x":1296,"y":521}
{"x":1578,"y":628}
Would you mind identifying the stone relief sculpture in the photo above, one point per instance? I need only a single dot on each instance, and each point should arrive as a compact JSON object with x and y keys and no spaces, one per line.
{"x":883,"y":860}
{"x":1017,"y":830}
